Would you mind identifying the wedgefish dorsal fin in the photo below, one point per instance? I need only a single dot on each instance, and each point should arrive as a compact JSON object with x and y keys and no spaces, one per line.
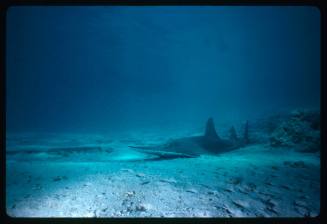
{"x":232,"y":134}
{"x":210,"y":130}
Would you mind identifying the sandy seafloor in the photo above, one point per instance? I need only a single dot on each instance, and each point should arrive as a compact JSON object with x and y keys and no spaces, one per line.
{"x":110,"y":180}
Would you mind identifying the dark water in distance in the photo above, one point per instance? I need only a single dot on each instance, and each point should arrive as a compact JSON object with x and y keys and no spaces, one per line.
{"x":111,"y":69}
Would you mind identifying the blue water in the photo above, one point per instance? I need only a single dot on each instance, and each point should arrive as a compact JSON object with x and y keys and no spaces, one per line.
{"x":109,"y":68}
{"x":96,"y":78}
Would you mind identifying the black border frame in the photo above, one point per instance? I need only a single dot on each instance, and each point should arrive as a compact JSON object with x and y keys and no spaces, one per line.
{"x":4,"y":5}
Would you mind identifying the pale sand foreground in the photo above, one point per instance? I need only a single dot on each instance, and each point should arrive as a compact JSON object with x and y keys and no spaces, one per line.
{"x":254,"y":181}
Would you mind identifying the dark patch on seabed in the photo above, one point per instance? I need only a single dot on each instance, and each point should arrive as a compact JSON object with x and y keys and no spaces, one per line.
{"x":275,"y":175}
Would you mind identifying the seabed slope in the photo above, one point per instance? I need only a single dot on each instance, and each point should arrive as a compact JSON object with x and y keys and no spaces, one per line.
{"x":103,"y":178}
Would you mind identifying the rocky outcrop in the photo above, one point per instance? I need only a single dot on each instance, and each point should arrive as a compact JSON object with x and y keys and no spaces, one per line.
{"x":300,"y":131}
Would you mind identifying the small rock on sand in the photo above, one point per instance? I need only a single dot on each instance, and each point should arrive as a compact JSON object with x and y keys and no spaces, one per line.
{"x":250,"y":187}
{"x":270,"y":202}
{"x":192,"y":190}
{"x":235,"y":180}
{"x":130,"y":193}
{"x":143,"y":207}
{"x":171,"y":181}
{"x":270,"y":209}
{"x":211,"y":192}
{"x":127,"y":170}
{"x":241,"y":204}
{"x":145,"y":182}
{"x":59,"y":178}
{"x":228,"y":189}
{"x":140,"y":175}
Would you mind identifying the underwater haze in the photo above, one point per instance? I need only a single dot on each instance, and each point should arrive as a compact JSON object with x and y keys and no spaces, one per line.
{"x":163,"y":111}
